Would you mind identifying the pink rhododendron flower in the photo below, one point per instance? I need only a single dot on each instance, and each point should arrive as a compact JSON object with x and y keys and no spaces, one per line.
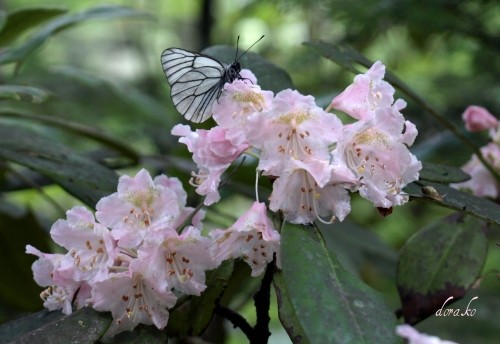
{"x":181,"y":260}
{"x":134,"y":297}
{"x":383,"y":164}
{"x":252,"y":237}
{"x":306,"y":192}
{"x":61,"y":290}
{"x":415,"y":337}
{"x":240,"y":100}
{"x":294,"y":128}
{"x":213,"y":151}
{"x":376,"y":147}
{"x":482,"y":182}
{"x":477,"y":118}
{"x":368,"y":93}
{"x":89,"y":246}
{"x":137,"y":205}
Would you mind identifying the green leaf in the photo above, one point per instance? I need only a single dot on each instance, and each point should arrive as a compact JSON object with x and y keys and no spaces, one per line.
{"x":20,"y":20}
{"x":27,"y":93}
{"x":454,"y":199}
{"x":3,"y":20}
{"x":341,"y":54}
{"x":440,"y":261}
{"x":82,"y":326}
{"x":18,"y":289}
{"x":193,"y":316}
{"x":16,"y":328}
{"x":319,"y":302}
{"x":82,"y":177}
{"x":75,"y":127}
{"x":141,"y":334}
{"x":354,"y":246}
{"x":442,"y":174}
{"x":63,"y":22}
{"x":269,"y":76}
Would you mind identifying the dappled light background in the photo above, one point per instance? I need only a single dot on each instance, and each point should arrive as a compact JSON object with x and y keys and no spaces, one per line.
{"x":106,"y":73}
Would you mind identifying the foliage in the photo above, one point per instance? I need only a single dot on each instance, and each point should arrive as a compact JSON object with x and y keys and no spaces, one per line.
{"x":66,"y":133}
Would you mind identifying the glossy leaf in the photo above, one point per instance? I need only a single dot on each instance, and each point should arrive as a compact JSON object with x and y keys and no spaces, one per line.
{"x":269,"y":76}
{"x":83,"y":326}
{"x":26,"y":93}
{"x":11,"y":331}
{"x":440,"y":261}
{"x":82,"y":177}
{"x":75,"y":127}
{"x":320,"y":302}
{"x":354,"y":246}
{"x":22,"y":19}
{"x":63,"y":22}
{"x":452,"y":198}
{"x":442,"y":174}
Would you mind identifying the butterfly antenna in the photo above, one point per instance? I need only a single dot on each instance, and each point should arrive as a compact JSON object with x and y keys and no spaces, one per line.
{"x":246,"y":51}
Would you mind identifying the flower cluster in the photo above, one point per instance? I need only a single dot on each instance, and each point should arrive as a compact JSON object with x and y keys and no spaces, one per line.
{"x":313,"y":159}
{"x":136,"y":256}
{"x":482,"y":182}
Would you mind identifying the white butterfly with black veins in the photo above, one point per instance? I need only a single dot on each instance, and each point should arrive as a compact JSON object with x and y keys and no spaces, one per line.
{"x":197,"y":81}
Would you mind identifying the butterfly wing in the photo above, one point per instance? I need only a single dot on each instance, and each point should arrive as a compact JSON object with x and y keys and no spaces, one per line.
{"x":196,"y":81}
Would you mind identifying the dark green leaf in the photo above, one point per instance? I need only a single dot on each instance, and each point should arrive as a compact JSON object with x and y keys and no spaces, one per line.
{"x":61,"y":23}
{"x":193,"y":316}
{"x":354,"y":246}
{"x":3,"y":20}
{"x":142,"y":334}
{"x":75,"y":127}
{"x":18,"y":289}
{"x":442,"y":173}
{"x":341,"y":54}
{"x":27,"y":93}
{"x":319,"y":302}
{"x":440,"y":261}
{"x":269,"y":76}
{"x":16,"y":328}
{"x":83,"y":326}
{"x":83,"y":178}
{"x":451,"y":198}
{"x":20,"y":20}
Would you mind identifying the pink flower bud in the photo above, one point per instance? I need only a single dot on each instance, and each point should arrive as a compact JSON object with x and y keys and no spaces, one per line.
{"x":477,"y":118}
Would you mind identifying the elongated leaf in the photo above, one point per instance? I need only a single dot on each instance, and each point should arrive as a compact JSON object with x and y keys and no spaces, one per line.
{"x":192,"y":317}
{"x":3,"y":20}
{"x":269,"y":76}
{"x":442,"y":173}
{"x":440,"y":261}
{"x":16,"y":328}
{"x":61,"y":23}
{"x":83,"y":326}
{"x":319,"y":302}
{"x":354,"y":246}
{"x":451,"y":198}
{"x":79,"y":128}
{"x":20,"y":20}
{"x":28,"y":93}
{"x":18,"y":288}
{"x":83,"y":178}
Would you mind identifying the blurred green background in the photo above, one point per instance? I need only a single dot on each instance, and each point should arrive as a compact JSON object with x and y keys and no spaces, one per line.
{"x":106,"y":73}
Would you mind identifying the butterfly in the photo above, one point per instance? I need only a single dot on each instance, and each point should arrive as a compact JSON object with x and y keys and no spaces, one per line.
{"x":197,"y":80}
